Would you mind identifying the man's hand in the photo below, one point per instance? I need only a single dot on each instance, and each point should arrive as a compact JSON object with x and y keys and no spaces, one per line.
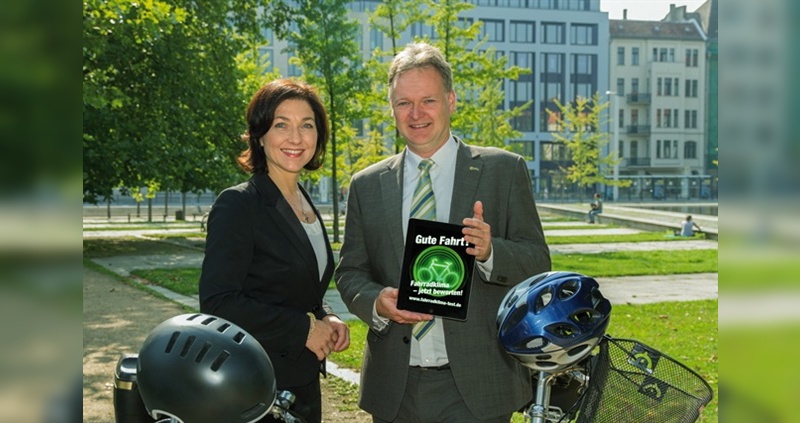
{"x":478,"y":233}
{"x":386,"y":306}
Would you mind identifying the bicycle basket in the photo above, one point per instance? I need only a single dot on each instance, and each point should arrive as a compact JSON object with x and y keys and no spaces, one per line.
{"x":632,"y":382}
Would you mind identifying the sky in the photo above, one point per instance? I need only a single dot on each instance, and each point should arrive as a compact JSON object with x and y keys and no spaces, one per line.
{"x":645,"y":10}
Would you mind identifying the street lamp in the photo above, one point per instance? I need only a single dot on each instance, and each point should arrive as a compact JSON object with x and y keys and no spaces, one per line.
{"x":615,"y":143}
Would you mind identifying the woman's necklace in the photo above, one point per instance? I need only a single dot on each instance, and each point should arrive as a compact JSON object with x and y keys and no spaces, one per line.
{"x":301,"y":208}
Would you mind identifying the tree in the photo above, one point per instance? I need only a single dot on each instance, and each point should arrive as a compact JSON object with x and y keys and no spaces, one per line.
{"x":579,"y":124}
{"x":325,"y":45}
{"x":162,"y":103}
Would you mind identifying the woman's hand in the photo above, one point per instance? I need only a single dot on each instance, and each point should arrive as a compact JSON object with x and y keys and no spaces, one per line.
{"x":328,"y":335}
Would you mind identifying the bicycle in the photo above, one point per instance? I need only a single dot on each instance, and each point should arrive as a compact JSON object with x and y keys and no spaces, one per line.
{"x":554,"y":322}
{"x":626,"y":381}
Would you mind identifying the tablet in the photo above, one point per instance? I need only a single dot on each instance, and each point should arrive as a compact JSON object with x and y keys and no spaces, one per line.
{"x":437,"y":271}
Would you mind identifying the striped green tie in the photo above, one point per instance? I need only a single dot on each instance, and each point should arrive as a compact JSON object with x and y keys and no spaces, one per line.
{"x":423,"y":206}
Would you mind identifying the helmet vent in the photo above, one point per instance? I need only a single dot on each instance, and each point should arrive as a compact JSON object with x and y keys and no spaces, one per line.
{"x":543,"y":300}
{"x":188,"y":345}
{"x":220,"y":360}
{"x":208,"y":320}
{"x":585,"y":316}
{"x":203,"y":351}
{"x":239,"y":337}
{"x":568,"y":289}
{"x":172,"y":340}
{"x":193,"y":316}
{"x":562,"y":330}
{"x":577,"y":350}
{"x":223,"y":327}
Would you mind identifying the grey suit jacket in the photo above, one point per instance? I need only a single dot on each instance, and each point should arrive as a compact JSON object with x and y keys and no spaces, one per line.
{"x":490,"y":381}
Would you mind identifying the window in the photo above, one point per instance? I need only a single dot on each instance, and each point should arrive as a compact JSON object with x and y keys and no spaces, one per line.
{"x":671,"y":55}
{"x":690,"y":150}
{"x":375,"y":39}
{"x":655,"y":54}
{"x":634,"y":85}
{"x":635,"y":56}
{"x":583,"y":34}
{"x":690,"y":119}
{"x":658,"y":149}
{"x":552,"y":33}
{"x":677,"y":87}
{"x":521,"y":91}
{"x":667,"y":86}
{"x":667,"y":118}
{"x":620,"y":56}
{"x":691,"y":88}
{"x":662,"y":55}
{"x":620,"y":86}
{"x":584,"y":75}
{"x":621,"y":149}
{"x":634,"y":149}
{"x":552,"y":79}
{"x":522,"y":32}
{"x":621,"y":118}
{"x":691,"y":57}
{"x":493,"y":29}
{"x":667,"y":149}
{"x":675,"y":118}
{"x":634,"y":117}
{"x":674,"y":149}
{"x":658,"y":86}
{"x":658,"y":118}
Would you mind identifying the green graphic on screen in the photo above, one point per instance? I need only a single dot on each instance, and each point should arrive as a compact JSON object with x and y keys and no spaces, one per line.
{"x":440,"y":266}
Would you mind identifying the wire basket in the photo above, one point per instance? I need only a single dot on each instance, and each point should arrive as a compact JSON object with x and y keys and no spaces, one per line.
{"x":632,"y":382}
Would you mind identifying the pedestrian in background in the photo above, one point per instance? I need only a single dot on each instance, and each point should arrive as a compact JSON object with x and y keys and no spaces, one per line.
{"x":687,"y":227}
{"x":596,"y":207}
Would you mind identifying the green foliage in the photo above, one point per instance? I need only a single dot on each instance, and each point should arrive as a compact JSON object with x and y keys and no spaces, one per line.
{"x":162,"y":103}
{"x":579,"y":124}
{"x":325,"y":46}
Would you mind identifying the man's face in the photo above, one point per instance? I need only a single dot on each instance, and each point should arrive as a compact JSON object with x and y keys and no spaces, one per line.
{"x":421,"y":108}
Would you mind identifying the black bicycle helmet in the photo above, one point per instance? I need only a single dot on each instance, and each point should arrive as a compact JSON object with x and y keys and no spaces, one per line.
{"x":199,"y":368}
{"x":553,"y":320}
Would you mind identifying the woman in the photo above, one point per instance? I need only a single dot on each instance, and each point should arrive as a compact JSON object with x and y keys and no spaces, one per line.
{"x":268,"y":260}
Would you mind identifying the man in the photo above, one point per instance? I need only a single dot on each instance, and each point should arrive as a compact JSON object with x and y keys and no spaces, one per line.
{"x":596,"y":207}
{"x":457,"y":372}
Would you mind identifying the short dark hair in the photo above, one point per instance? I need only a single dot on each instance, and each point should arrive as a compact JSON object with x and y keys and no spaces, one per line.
{"x":261,"y":113}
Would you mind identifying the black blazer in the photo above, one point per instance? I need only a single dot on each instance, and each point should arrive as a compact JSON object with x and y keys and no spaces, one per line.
{"x":260,"y":272}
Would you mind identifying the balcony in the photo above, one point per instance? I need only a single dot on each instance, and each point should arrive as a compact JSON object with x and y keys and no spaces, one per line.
{"x":637,"y":130}
{"x":639,"y":98}
{"x":637,"y":162}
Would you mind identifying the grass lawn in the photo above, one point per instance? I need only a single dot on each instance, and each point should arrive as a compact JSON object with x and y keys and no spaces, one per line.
{"x":640,"y":237}
{"x":630,"y":263}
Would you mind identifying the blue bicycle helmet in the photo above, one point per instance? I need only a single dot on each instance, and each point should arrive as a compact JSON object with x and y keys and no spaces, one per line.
{"x":199,"y":368}
{"x":552,"y":320}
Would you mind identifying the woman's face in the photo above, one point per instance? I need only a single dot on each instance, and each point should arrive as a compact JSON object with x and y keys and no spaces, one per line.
{"x":291,"y":140}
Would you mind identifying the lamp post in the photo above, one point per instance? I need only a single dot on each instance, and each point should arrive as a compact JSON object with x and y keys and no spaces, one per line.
{"x":615,"y":143}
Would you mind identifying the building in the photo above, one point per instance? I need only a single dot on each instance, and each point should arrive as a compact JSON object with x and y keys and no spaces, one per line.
{"x":658,"y":75}
{"x":563,"y":42}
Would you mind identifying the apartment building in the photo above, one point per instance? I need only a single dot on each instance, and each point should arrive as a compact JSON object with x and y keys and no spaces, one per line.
{"x":658,"y":75}
{"x":563,"y":42}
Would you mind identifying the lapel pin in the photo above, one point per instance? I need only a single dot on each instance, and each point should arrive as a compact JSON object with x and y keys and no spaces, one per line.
{"x":474,"y":168}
